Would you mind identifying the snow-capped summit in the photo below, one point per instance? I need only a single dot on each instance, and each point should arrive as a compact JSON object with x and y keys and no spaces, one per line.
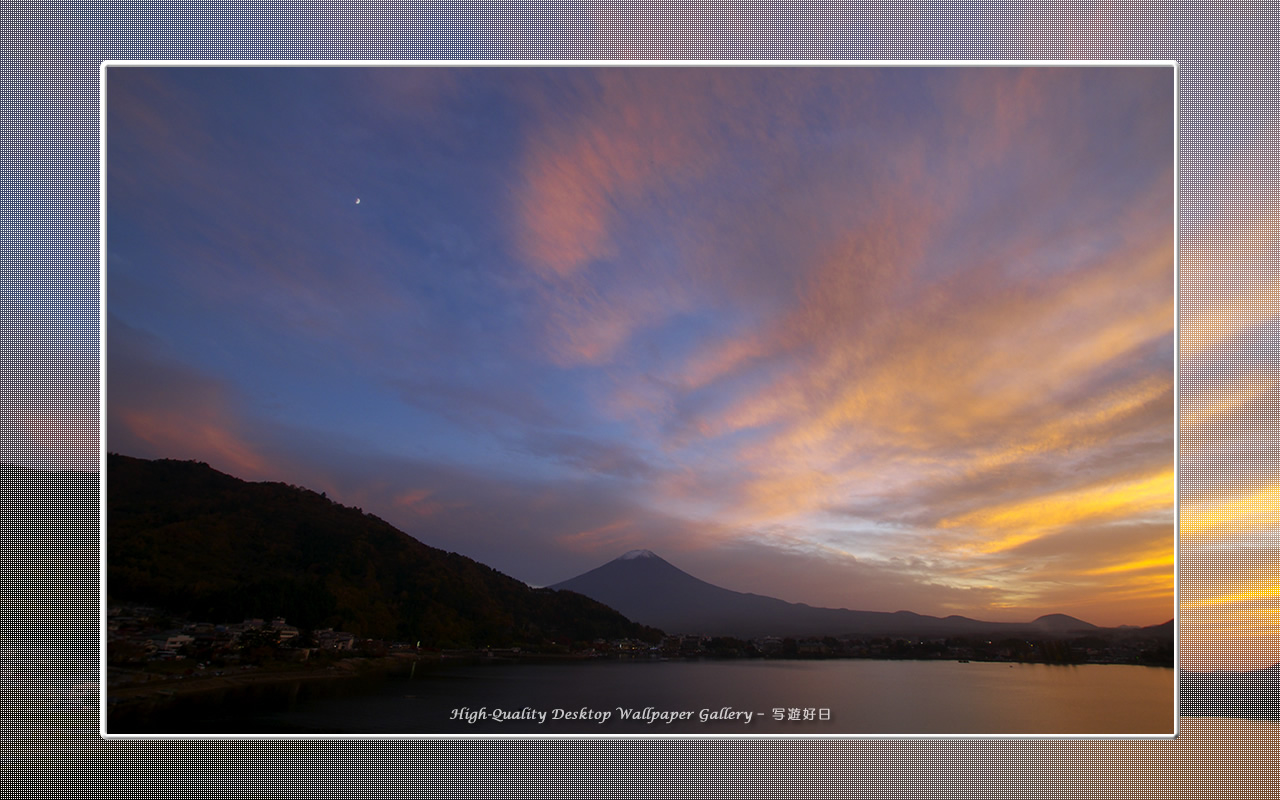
{"x":637,"y":554}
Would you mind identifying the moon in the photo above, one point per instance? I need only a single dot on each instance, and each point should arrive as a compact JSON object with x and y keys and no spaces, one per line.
{"x":357,"y":201}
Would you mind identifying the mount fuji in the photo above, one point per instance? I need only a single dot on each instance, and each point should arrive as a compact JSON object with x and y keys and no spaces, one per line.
{"x":647,"y":589}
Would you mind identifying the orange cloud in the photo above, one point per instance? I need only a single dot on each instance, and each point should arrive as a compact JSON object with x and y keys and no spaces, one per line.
{"x":1003,"y":527}
{"x":1229,"y":235}
{"x":789,"y":492}
{"x":1201,"y":410}
{"x":1247,"y":593}
{"x":1224,"y":515}
{"x":1161,"y":562}
{"x":601,"y":214}
{"x":1239,"y":629}
{"x":976,"y":377}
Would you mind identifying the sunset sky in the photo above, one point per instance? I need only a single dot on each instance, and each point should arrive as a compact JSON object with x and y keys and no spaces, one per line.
{"x":876,"y":338}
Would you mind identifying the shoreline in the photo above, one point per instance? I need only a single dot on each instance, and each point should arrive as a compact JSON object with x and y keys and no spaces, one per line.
{"x":159,"y":688}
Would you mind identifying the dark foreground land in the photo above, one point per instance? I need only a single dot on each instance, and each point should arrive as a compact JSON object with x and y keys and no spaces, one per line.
{"x":156,"y":683}
{"x":125,"y":686}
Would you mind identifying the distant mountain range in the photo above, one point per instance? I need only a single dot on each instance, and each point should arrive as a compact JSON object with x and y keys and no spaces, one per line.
{"x":649,"y":590}
{"x":191,"y":540}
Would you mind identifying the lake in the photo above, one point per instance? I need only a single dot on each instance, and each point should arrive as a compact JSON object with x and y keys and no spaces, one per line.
{"x":855,"y":696}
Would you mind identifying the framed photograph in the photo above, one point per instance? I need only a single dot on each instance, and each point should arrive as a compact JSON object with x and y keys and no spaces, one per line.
{"x":882,"y":354}
{"x":918,"y":325}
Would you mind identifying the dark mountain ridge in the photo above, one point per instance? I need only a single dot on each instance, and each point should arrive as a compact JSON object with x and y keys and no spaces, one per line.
{"x":194,"y":541}
{"x":648,"y":589}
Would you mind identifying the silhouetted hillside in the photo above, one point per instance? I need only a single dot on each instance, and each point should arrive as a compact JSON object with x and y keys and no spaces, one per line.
{"x":184,"y":537}
{"x":1164,"y":629}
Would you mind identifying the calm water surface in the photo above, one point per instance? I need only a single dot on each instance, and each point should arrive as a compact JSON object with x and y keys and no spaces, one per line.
{"x":858,"y":696}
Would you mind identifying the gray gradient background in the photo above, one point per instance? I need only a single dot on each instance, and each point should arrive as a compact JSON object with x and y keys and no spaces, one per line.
{"x":49,"y":257}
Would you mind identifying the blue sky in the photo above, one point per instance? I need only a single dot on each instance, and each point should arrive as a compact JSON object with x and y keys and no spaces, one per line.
{"x":872,"y":338}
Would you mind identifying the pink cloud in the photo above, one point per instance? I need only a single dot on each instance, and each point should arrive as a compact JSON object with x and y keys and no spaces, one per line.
{"x":158,"y":408}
